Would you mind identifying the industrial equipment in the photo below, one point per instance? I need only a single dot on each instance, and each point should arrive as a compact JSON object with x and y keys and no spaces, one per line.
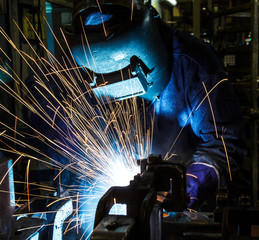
{"x":157,"y":209}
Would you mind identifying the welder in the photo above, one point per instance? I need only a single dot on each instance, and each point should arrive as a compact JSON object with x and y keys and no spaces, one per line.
{"x":197,"y":116}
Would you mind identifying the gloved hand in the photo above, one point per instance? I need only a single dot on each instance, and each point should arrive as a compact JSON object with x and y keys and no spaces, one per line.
{"x":202,"y":182}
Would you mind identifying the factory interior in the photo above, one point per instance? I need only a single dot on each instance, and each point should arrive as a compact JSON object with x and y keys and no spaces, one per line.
{"x":63,"y":188}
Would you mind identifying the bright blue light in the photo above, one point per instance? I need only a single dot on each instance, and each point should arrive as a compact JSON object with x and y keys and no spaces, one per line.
{"x":11,"y":183}
{"x":97,"y":18}
{"x":118,"y":174}
{"x":183,"y":119}
{"x":35,"y":236}
{"x":3,"y":76}
{"x":48,"y":7}
{"x":118,"y":209}
{"x":62,"y":214}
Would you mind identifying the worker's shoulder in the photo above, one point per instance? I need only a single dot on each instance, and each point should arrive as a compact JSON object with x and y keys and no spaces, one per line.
{"x":198,"y":51}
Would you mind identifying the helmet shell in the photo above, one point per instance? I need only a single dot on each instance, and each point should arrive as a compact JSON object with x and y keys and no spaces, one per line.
{"x":110,"y":51}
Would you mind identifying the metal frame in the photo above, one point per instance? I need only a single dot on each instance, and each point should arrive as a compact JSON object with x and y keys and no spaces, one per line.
{"x":254,"y":88}
{"x":64,"y":3}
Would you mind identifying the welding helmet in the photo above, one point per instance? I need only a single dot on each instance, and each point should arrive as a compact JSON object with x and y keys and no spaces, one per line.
{"x":121,"y":43}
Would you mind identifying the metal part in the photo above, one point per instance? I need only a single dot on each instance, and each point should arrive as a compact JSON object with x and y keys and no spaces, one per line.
{"x":62,"y":214}
{"x":222,"y":201}
{"x":7,"y":197}
{"x":141,"y":197}
{"x":27,"y":228}
{"x":191,"y":225}
{"x":41,"y":225}
{"x":150,"y":219}
{"x":114,"y":227}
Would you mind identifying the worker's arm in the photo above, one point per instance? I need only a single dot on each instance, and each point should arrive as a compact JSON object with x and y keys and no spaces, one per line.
{"x":217,"y":121}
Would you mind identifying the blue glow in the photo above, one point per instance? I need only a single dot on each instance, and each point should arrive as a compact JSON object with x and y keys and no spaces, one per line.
{"x":117,"y":174}
{"x":3,"y":76}
{"x":183,"y":119}
{"x":121,"y":90}
{"x":48,"y":7}
{"x":63,"y":213}
{"x":35,"y":236}
{"x":50,"y":37}
{"x":21,"y":216}
{"x":118,"y":209}
{"x":11,"y":183}
{"x":97,"y":18}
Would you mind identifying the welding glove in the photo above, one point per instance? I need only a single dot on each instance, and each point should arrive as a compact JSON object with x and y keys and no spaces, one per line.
{"x":202,"y":183}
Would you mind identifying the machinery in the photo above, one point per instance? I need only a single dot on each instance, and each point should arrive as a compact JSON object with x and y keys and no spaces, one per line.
{"x":157,"y":209}
{"x":156,"y":201}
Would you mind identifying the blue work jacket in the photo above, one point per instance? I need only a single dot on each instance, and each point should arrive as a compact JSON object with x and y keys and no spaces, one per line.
{"x":198,"y":116}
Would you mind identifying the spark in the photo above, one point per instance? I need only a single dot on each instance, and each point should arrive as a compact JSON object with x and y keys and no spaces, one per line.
{"x":10,"y":168}
{"x":178,"y":135}
{"x":212,"y":112}
{"x":191,"y":175}
{"x":101,"y":143}
{"x":27,"y":180}
{"x":3,"y":132}
{"x":195,"y":108}
{"x":223,"y":80}
{"x":115,"y":204}
{"x":15,"y":125}
{"x":31,"y":213}
{"x":54,"y":117}
{"x":195,"y":198}
{"x":112,"y":128}
{"x":5,"y":54}
{"x":191,"y":210}
{"x":104,"y":29}
{"x":223,"y":142}
{"x":77,"y":195}
{"x":132,"y":8}
{"x":99,"y":6}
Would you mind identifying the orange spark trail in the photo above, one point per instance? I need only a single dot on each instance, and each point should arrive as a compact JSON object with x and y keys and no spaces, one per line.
{"x":5,"y":54}
{"x":223,"y":80}
{"x":27,"y":180}
{"x":95,"y":151}
{"x":10,"y":169}
{"x":230,"y":175}
{"x":15,"y":125}
{"x":115,"y":204}
{"x":77,"y":211}
{"x":191,"y":175}
{"x":211,"y":109}
{"x":104,"y":30}
{"x":99,"y":6}
{"x":132,"y":8}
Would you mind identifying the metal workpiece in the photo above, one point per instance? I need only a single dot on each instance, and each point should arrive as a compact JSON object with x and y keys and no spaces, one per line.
{"x":114,"y":227}
{"x":7,"y":195}
{"x":140,"y":196}
{"x":156,"y":202}
{"x":38,"y":223}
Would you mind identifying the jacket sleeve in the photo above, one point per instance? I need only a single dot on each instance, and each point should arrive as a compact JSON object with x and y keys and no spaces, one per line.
{"x":216,"y":120}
